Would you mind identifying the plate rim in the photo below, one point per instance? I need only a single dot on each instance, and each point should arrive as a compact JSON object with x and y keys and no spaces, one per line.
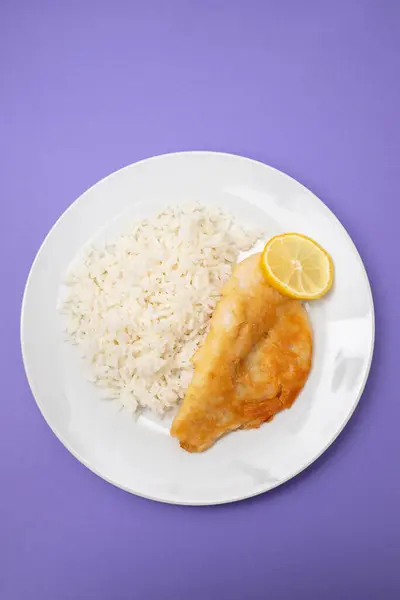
{"x":93,"y":469}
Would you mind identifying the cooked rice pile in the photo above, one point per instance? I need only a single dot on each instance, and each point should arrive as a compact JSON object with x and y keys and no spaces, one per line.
{"x":140,"y":306}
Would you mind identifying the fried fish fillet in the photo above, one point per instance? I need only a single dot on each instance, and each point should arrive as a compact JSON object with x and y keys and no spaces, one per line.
{"x":252,"y":364}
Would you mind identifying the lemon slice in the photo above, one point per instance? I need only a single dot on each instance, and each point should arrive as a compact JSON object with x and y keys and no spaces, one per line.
{"x":297,"y":266}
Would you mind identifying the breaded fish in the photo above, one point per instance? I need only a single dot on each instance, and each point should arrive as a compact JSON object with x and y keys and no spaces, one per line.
{"x":252,"y":364}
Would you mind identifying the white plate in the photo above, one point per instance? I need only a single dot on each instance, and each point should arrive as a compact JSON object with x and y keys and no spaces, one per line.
{"x":139,"y":455}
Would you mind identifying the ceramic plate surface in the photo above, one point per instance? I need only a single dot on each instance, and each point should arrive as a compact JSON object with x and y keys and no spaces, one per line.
{"x":139,"y":455}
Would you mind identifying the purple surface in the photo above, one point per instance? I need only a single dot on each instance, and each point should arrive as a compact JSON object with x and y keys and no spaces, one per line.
{"x":309,"y":87}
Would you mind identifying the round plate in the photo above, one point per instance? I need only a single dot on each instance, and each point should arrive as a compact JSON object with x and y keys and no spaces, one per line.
{"x":138,"y":454}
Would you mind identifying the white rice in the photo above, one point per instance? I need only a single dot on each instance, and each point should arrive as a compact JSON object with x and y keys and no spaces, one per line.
{"x":140,"y":307}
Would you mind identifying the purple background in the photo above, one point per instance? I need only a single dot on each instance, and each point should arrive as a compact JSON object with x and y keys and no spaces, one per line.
{"x":307,"y":86}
